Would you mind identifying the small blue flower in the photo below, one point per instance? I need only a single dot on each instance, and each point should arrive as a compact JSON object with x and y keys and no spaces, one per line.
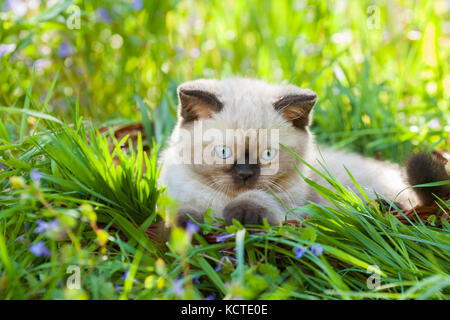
{"x":21,"y":239}
{"x":46,"y":226}
{"x":6,"y":6}
{"x":219,"y":265}
{"x":19,"y":8}
{"x":317,"y":249}
{"x":65,"y":49}
{"x":104,"y":15}
{"x":299,"y":252}
{"x":196,"y":280}
{"x":136,"y":4}
{"x":41,"y":227}
{"x":212,"y":296}
{"x":178,"y":286}
{"x":39,"y":249}
{"x":2,"y":167}
{"x":118,"y":288}
{"x":41,"y":64}
{"x":6,"y":49}
{"x":225,"y":236}
{"x":36,"y":176}
{"x":125,"y":276}
{"x":192,"y":227}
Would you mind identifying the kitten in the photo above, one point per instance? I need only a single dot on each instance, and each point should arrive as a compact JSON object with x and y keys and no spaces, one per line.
{"x":235,"y":177}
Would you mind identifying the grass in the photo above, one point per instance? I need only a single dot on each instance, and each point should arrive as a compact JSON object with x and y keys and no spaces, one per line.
{"x":382,"y":94}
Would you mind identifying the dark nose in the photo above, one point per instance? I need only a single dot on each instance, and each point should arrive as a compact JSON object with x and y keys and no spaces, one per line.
{"x":245,"y":171}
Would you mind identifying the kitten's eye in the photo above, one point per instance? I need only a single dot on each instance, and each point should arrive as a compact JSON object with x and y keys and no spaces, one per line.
{"x":268,"y":154}
{"x":223,"y":152}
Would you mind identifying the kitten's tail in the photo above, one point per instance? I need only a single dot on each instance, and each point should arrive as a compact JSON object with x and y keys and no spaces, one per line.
{"x":423,"y":168}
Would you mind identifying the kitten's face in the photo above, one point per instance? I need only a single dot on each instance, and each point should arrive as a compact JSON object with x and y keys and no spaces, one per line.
{"x":236,"y":128}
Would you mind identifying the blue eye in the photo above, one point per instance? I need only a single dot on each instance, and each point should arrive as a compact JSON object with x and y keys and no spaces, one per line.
{"x":268,"y":154}
{"x":223,"y":152}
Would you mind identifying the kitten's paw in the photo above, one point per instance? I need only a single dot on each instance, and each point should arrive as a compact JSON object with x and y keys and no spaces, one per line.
{"x":246,"y":212}
{"x":183,"y":217}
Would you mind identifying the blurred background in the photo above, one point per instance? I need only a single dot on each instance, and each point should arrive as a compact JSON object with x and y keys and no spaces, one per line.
{"x":380,"y":68}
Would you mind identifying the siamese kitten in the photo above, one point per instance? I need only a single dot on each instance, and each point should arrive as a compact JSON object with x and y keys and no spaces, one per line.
{"x":236,"y":176}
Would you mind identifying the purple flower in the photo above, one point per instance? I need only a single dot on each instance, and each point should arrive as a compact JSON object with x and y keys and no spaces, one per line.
{"x":192,"y":227}
{"x":18,"y":7}
{"x":2,"y":167}
{"x":196,"y":280}
{"x":224,"y":237}
{"x":137,"y":4}
{"x":178,"y":286}
{"x":299,"y":252}
{"x":36,"y":175}
{"x":7,"y":48}
{"x":39,"y":249}
{"x":21,"y":239}
{"x":104,"y":15}
{"x":125,"y":276}
{"x":317,"y":249}
{"x":46,"y":226}
{"x":41,"y":64}
{"x":118,"y":288}
{"x":6,"y":6}
{"x":219,"y":265}
{"x":180,"y":51}
{"x":65,"y":49}
{"x":212,"y":296}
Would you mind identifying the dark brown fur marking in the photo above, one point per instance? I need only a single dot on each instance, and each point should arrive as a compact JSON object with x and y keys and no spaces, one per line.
{"x":422,"y":168}
{"x":197,"y":104}
{"x":296,"y":108}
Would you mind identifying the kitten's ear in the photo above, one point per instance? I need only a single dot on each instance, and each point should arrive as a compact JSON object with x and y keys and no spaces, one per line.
{"x":197,"y":101}
{"x":296,"y":107}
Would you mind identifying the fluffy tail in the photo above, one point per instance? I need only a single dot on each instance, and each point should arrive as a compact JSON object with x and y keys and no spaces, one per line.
{"x":423,"y":168}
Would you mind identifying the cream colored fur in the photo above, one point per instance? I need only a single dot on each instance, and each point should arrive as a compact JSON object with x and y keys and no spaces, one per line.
{"x":248,"y":103}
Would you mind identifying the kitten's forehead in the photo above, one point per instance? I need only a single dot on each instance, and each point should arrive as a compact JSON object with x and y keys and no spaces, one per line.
{"x":248,"y":103}
{"x":252,"y":90}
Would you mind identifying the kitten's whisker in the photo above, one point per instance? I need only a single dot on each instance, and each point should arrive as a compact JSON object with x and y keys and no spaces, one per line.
{"x":282,"y":191}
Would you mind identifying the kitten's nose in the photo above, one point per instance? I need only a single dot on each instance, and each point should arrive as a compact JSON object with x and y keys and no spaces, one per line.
{"x":245,"y":171}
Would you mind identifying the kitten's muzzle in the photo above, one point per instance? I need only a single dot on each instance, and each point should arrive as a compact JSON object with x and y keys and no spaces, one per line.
{"x":246,"y":173}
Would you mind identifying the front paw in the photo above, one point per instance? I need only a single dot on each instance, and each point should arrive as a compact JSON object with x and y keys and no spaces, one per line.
{"x":183,"y":217}
{"x":246,"y":212}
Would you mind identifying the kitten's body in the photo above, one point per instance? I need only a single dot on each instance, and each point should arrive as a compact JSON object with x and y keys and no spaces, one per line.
{"x":251,"y":104}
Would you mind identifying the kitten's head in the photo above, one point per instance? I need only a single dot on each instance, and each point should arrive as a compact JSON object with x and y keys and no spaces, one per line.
{"x":235,"y":128}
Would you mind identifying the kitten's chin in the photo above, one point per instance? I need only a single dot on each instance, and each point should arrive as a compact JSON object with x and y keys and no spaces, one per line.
{"x":245,"y":185}
{"x":239,"y":187}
